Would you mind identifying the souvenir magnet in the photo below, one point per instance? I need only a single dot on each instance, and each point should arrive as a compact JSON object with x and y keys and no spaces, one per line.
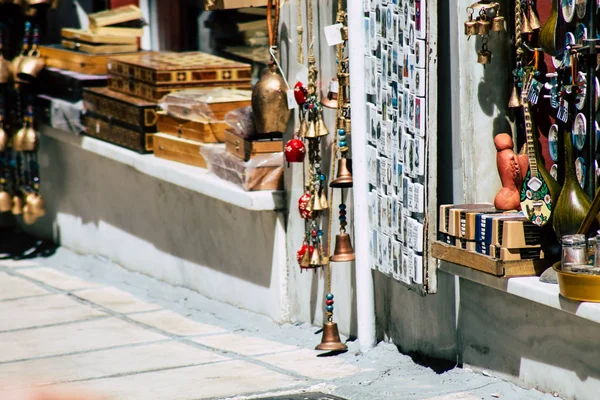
{"x":553,"y":142}
{"x":568,"y":10}
{"x":373,"y":61}
{"x":369,"y":86}
{"x":579,"y":131}
{"x":418,"y":227}
{"x":389,"y":23}
{"x":411,"y":198}
{"x":420,"y":116}
{"x":372,"y":32}
{"x":408,"y":154}
{"x":420,"y":53}
{"x":395,"y":97}
{"x":411,"y":112}
{"x":404,"y":266}
{"x":419,"y":198}
{"x":372,"y":251}
{"x":395,"y":53}
{"x":420,"y":19}
{"x":367,"y":28}
{"x":411,"y":36}
{"x":418,"y":268}
{"x":410,"y":266}
{"x":405,"y":184}
{"x":580,"y":171}
{"x":397,"y":260}
{"x":420,"y":82}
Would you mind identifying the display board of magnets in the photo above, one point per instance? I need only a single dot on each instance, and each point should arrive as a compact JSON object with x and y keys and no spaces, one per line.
{"x":396,"y":80}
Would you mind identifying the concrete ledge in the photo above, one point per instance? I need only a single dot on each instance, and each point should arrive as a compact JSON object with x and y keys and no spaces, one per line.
{"x":193,"y":178}
{"x":529,"y":288}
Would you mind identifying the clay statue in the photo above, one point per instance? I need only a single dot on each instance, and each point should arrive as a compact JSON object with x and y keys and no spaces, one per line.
{"x":512,"y":168}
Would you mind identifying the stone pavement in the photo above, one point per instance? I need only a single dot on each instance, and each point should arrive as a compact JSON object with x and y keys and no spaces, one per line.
{"x":83,"y":322}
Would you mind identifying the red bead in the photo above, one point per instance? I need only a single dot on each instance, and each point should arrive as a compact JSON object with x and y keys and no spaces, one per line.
{"x":342,"y":213}
{"x":314,"y":233}
{"x":329,"y":302}
{"x":311,"y":106}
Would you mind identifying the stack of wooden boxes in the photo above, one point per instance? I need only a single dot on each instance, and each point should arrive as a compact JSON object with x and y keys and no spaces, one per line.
{"x":506,"y":236}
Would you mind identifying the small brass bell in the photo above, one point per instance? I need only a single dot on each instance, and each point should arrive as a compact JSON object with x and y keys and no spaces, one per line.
{"x":471,"y":28}
{"x":29,"y":216}
{"x":269,"y":102}
{"x":18,"y":141}
{"x":330,"y":101}
{"x":534,"y":21}
{"x":17,"y":205}
{"x":320,"y":127}
{"x":5,"y":70}
{"x":343,"y":249}
{"x":330,"y":341}
{"x":344,"y":78}
{"x":343,"y":178}
{"x":36,"y":204}
{"x":323,"y":200}
{"x":303,"y":128}
{"x":5,"y":201}
{"x":526,"y":27}
{"x":317,"y":205}
{"x":324,"y":260}
{"x":484,"y":56}
{"x":3,"y":139}
{"x":30,"y":141}
{"x":514,"y":101}
{"x":483,"y":27}
{"x":498,"y":24}
{"x":315,"y":258}
{"x":311,"y":133}
{"x":305,"y":261}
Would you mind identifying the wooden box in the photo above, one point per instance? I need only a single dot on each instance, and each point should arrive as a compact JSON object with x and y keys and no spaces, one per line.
{"x":79,"y":35}
{"x":99,"y":48}
{"x":109,"y":131}
{"x":68,"y":85}
{"x":211,"y":104}
{"x":153,"y":75}
{"x":229,"y":4}
{"x":184,"y":151}
{"x":213,"y":132}
{"x":247,"y":149}
{"x":58,"y":57}
{"x":122,"y":21}
{"x":137,"y":114}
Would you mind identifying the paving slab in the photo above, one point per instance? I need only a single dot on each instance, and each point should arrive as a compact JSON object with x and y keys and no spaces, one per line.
{"x":176,"y":324}
{"x":104,"y":363}
{"x":307,"y":363}
{"x":244,"y":345}
{"x":71,"y":338}
{"x":115,"y":299}
{"x":12,"y":287}
{"x":57,"y":279}
{"x":199,"y":382}
{"x":34,"y":311}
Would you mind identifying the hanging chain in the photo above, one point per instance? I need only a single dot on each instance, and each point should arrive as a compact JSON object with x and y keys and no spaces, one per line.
{"x":300,"y":31}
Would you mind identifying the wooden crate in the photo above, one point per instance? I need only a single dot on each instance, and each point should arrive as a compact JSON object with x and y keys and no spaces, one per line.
{"x":505,"y":269}
{"x":247,"y":149}
{"x":184,"y":151}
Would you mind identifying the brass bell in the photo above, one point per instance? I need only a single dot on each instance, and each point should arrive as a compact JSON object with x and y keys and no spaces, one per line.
{"x":330,"y":101}
{"x":498,"y":24}
{"x":303,"y":130}
{"x":3,"y":139}
{"x":526,"y":27}
{"x":315,"y":258}
{"x":5,"y":70}
{"x":343,"y":79}
{"x":17,"y":205}
{"x":18,"y":141}
{"x":343,"y":178}
{"x":534,"y":21}
{"x":324,"y":260}
{"x":343,"y":249}
{"x":5,"y":201}
{"x":483,"y":27}
{"x":269,"y":102}
{"x":30,"y":141}
{"x":305,"y":260}
{"x":36,"y":204}
{"x":29,"y":217}
{"x":30,"y":66}
{"x":320,"y":127}
{"x":316,"y":203}
{"x":311,"y":133}
{"x":515,"y":100}
{"x":484,"y":56}
{"x":14,"y":65}
{"x":471,"y":28}
{"x":330,"y":341}
{"x":323,"y":200}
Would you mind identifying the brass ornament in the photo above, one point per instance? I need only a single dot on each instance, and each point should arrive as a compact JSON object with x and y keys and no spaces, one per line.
{"x":534,"y":21}
{"x":323,"y":200}
{"x":30,"y":141}
{"x":315,"y":258}
{"x":330,"y":101}
{"x":330,"y":340}
{"x":484,"y":56}
{"x":526,"y":26}
{"x":303,"y":130}
{"x":305,"y":261}
{"x":320,"y":127}
{"x":312,"y":132}
{"x":483,"y":27}
{"x":269,"y":102}
{"x":317,"y":205}
{"x":6,"y":72}
{"x":498,"y":24}
{"x":17,"y":205}
{"x":36,"y":204}
{"x":3,"y":138}
{"x":343,"y":178}
{"x":29,"y":217}
{"x":18,"y":141}
{"x":5,"y":201}
{"x":343,"y":249}
{"x":515,"y":100}
{"x":30,"y":66}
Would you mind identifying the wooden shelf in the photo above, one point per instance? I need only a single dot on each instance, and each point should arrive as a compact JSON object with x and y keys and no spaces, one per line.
{"x":505,"y":269}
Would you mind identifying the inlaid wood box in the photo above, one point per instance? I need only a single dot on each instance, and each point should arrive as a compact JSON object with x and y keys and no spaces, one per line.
{"x":247,"y":149}
{"x":58,"y":57}
{"x":155,"y":74}
{"x":135,"y":113}
{"x":110,"y":131}
{"x":213,"y":132}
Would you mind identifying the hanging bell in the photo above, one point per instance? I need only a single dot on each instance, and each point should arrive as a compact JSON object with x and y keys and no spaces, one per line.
{"x":18,"y":141}
{"x":525,"y":26}
{"x":320,"y":127}
{"x":483,"y":27}
{"x":269,"y":102}
{"x":17,"y":205}
{"x":317,"y":205}
{"x":330,"y":341}
{"x":294,"y":151}
{"x":30,"y":141}
{"x":315,"y":258}
{"x":343,"y":249}
{"x":36,"y":204}
{"x":29,"y":216}
{"x":498,"y":24}
{"x":330,"y":101}
{"x":484,"y":56}
{"x":470,"y":27}
{"x":323,"y":200}
{"x":5,"y":201}
{"x":311,"y":133}
{"x":3,"y":138}
{"x":305,"y":260}
{"x":6,"y":73}
{"x":514,"y":101}
{"x":343,"y":178}
{"x":534,"y":21}
{"x":303,"y":130}
{"x":343,"y":79}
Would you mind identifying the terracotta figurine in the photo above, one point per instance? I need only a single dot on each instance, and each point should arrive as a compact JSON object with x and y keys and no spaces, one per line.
{"x":512,"y":169}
